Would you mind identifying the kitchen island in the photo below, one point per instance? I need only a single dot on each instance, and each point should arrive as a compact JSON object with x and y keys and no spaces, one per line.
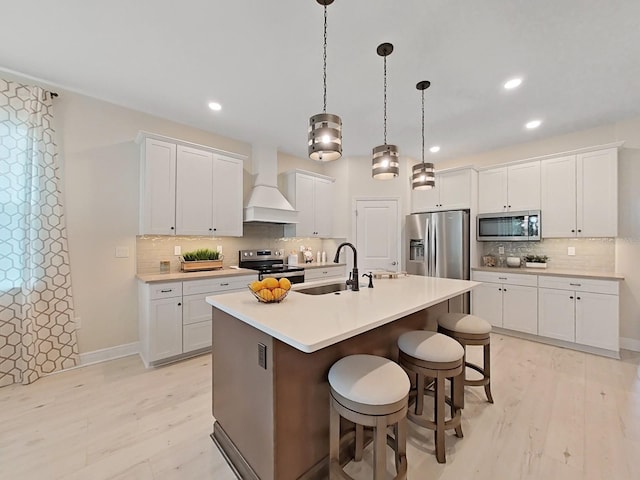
{"x":270,"y":388}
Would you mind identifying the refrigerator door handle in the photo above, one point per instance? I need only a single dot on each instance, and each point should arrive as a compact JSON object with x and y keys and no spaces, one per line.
{"x":432,"y":246}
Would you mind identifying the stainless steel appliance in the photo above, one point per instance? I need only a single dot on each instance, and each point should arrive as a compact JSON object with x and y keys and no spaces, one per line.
{"x":521,"y":226}
{"x":269,"y":263}
{"x":437,"y":245}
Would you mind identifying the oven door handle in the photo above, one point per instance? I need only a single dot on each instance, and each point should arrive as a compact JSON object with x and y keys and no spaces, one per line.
{"x":298,"y":273}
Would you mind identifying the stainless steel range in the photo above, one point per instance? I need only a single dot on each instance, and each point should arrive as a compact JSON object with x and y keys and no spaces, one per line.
{"x":269,"y":263}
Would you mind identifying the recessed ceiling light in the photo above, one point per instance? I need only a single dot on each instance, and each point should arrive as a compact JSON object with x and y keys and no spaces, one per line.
{"x":215,"y":106}
{"x":434,"y":149}
{"x":513,"y":83}
{"x":533,"y":124}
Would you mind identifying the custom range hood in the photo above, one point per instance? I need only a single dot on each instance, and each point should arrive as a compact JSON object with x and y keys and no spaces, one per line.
{"x":266,"y":203}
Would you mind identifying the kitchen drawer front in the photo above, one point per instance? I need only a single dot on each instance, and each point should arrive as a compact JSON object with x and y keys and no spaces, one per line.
{"x":325,"y":272}
{"x":212,"y":286}
{"x":580,"y":284}
{"x":196,"y":336}
{"x":165,"y":290}
{"x":508,"y":278}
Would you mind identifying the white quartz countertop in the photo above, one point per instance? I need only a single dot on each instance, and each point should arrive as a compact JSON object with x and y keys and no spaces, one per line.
{"x":312,"y":322}
{"x":555,"y":272}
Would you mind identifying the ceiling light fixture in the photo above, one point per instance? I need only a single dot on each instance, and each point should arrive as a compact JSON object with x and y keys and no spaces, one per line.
{"x":533,"y":124}
{"x":385,"y":165}
{"x":513,"y":83}
{"x":423,"y":176}
{"x":325,"y":129}
{"x":215,"y":106}
{"x":434,"y":149}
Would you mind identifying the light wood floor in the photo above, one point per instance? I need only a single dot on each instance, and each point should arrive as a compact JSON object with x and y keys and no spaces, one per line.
{"x":559,"y":414}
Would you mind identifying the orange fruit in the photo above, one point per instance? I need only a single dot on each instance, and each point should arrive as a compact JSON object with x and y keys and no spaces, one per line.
{"x":285,"y":283}
{"x":278,"y":293}
{"x":270,"y":283}
{"x":256,"y":286}
{"x":266,"y":295}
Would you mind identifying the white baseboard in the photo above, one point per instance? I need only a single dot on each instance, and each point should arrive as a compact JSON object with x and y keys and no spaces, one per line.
{"x":630,"y":344}
{"x":110,"y":353}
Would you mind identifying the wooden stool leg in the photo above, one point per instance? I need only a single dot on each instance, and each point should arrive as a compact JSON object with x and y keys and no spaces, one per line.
{"x":379,"y":449}
{"x":439,"y":420}
{"x":334,"y":441}
{"x":419,"y":394}
{"x":487,"y":371}
{"x":359,"y":443}
{"x":455,"y":400}
{"x":401,"y":443}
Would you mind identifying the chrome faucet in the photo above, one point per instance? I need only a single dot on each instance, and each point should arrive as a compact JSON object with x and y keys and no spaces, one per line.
{"x":354,"y":281}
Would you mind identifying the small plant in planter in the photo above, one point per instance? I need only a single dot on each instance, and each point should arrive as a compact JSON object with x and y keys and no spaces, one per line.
{"x":536,"y":261}
{"x":201,"y":259}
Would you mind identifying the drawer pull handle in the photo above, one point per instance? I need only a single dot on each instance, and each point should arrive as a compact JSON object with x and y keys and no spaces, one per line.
{"x":571,"y":297}
{"x":166,"y":291}
{"x":224,"y":284}
{"x":575,"y":284}
{"x":502,"y":278}
{"x":578,"y":298}
{"x":324,"y":273}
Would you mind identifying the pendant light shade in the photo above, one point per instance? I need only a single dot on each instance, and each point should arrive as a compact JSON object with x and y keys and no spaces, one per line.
{"x":423,"y":175}
{"x":325,"y":129}
{"x":385,"y":164}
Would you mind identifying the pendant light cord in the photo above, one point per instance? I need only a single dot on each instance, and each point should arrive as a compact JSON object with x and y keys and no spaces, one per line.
{"x":423,"y":166}
{"x":385,"y":100}
{"x":324,"y":62}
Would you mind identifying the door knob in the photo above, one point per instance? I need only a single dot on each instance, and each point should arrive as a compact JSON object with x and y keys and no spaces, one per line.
{"x":394,"y":263}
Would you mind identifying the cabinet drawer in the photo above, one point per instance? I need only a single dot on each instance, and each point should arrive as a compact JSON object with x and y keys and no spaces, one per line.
{"x":325,"y":272}
{"x":580,"y":284}
{"x":218,"y":285}
{"x":165,"y":290}
{"x":196,"y":336}
{"x":508,"y":278}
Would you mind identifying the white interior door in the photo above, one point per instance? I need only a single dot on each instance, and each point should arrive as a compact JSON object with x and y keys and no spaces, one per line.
{"x":377,"y":235}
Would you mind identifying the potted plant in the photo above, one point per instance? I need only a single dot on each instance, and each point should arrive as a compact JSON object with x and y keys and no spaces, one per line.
{"x":202,"y":259}
{"x":536,"y":261}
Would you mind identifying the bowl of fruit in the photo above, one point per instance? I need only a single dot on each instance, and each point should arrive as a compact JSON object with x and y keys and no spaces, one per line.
{"x":270,"y":290}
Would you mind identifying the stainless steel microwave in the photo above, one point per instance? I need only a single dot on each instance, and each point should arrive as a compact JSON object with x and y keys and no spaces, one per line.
{"x":521,"y":226}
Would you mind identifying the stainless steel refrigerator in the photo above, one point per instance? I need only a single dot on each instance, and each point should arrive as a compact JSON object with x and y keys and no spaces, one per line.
{"x":437,"y":245}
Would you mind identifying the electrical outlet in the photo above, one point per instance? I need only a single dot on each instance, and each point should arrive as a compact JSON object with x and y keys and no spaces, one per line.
{"x":122,"y":252}
{"x":501,"y":250}
{"x":78,"y":322}
{"x":177,"y":250}
{"x":571,"y":251}
{"x":219,"y":249}
{"x":262,"y":355}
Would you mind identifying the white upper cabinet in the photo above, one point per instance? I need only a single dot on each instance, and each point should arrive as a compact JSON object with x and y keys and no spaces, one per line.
{"x":188,"y":189}
{"x":311,"y":195}
{"x":453,"y":190}
{"x":580,"y":195}
{"x":512,"y":188}
{"x":158,"y":188}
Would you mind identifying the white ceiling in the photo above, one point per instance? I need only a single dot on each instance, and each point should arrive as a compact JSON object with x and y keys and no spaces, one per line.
{"x":262,"y":60}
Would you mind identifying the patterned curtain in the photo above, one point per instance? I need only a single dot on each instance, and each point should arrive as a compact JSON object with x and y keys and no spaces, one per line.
{"x":37,"y":329}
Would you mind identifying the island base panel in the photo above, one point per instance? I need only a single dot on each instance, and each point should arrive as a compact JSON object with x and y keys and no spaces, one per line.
{"x":298,"y":394}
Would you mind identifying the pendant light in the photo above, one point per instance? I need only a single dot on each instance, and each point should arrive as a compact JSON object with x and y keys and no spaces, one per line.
{"x":325,"y":129}
{"x":385,"y":165}
{"x":423,"y":177}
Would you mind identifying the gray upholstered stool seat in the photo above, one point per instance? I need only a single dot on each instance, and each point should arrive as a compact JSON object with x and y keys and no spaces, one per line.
{"x":471,"y":330}
{"x":433,"y":355}
{"x":370,"y":391}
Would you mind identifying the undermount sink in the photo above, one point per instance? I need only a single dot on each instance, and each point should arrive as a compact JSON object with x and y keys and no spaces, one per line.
{"x":324,"y":289}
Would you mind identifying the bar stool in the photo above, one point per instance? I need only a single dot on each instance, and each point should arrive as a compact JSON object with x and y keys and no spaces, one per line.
{"x":432,"y":355}
{"x":369,"y":391}
{"x":471,"y":330}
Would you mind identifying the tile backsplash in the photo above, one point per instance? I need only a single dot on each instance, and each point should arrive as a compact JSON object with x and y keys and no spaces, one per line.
{"x":152,"y":249}
{"x":596,"y":254}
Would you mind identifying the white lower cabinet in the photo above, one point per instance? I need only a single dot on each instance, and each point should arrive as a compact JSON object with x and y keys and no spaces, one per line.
{"x":507,"y":301}
{"x":175,"y":318}
{"x":580,"y":311}
{"x":313,"y":274}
